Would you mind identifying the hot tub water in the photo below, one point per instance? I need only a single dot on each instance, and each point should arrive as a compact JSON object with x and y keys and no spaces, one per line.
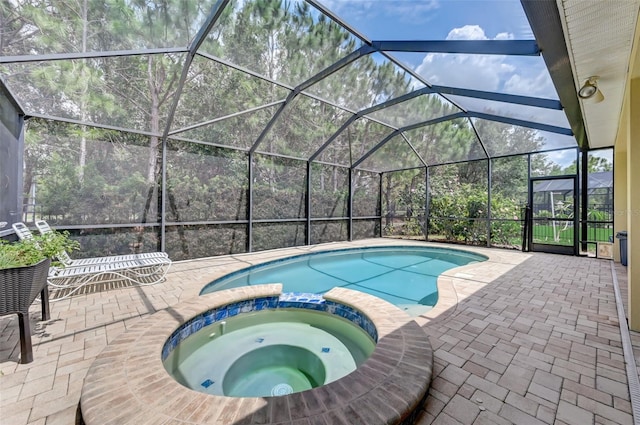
{"x":269,"y":353}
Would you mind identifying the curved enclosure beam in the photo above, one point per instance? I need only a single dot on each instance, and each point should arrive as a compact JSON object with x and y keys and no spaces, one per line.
{"x":499,"y":97}
{"x":475,"y":47}
{"x":352,"y":57}
{"x":89,"y":55}
{"x":522,"y":123}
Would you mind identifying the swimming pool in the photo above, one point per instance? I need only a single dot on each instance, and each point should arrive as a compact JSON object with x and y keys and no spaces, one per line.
{"x":404,"y":276}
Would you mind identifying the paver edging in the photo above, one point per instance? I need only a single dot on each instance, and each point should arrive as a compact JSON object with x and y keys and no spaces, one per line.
{"x":128,"y":381}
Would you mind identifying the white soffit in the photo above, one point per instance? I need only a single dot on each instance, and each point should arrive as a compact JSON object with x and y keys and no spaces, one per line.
{"x":599,"y":36}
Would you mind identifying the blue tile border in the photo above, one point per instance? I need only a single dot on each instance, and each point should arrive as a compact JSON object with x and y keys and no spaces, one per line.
{"x":302,"y":300}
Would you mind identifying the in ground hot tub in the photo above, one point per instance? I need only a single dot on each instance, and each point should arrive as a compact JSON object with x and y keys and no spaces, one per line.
{"x":128,"y":383}
{"x":272,"y":352}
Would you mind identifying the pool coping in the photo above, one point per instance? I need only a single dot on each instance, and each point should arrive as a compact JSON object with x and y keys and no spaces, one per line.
{"x":127,"y":383}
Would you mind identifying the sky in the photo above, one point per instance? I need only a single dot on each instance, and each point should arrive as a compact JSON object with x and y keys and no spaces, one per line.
{"x":431,"y":19}
{"x":564,"y":158}
{"x":454,"y":20}
{"x":460,"y":20}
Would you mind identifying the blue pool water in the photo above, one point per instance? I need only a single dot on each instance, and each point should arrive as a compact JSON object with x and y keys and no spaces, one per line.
{"x":404,"y":276}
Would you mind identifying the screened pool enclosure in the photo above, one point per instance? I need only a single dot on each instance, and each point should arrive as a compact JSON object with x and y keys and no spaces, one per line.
{"x":204,"y":128}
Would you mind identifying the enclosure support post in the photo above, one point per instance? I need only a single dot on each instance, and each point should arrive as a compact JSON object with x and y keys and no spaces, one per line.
{"x":308,"y":202}
{"x":162,"y":198}
{"x":489,"y":184}
{"x":350,"y":205}
{"x":576,"y":219}
{"x":12,"y":208}
{"x":380,"y":206}
{"x":250,"y":203}
{"x":426,"y":205}
{"x":584,"y":199}
{"x":528,"y":217}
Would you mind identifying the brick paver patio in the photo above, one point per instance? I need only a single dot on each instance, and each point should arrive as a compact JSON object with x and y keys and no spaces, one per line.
{"x":519,"y":339}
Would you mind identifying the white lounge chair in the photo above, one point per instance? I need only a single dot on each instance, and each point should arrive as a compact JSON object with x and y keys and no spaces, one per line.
{"x":67,"y":261}
{"x":141,"y":272}
{"x":136,"y":269}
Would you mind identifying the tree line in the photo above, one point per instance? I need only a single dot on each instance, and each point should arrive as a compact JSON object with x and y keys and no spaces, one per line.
{"x":89,"y":175}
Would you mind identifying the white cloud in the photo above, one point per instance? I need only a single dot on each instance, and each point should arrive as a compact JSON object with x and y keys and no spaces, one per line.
{"x":484,"y":72}
{"x":468,"y":32}
{"x":504,"y":36}
{"x":563,"y":158}
{"x":501,"y":73}
{"x":539,"y":85}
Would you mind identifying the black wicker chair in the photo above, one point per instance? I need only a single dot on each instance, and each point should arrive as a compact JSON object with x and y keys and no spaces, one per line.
{"x":19,"y":287}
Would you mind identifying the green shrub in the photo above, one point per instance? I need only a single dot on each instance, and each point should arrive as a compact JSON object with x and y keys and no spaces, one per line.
{"x":28,"y":252}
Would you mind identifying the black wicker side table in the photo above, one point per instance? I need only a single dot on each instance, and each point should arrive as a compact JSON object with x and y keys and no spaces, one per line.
{"x":19,"y":287}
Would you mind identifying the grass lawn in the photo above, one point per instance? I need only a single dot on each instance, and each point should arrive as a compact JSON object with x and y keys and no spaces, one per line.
{"x":544,"y":234}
